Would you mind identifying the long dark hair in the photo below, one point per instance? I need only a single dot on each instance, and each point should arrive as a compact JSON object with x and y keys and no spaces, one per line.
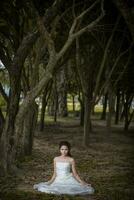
{"x":68,"y":145}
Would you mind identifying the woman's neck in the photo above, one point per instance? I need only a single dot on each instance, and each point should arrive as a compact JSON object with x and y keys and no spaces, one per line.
{"x":64,"y":156}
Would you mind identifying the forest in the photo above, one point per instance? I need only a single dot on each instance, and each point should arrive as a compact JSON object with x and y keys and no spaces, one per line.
{"x":67,"y":73}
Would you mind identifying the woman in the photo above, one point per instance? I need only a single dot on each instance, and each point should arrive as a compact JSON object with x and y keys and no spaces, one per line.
{"x":65,"y":179}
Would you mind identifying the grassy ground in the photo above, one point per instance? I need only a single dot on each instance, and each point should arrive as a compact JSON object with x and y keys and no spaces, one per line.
{"x":107,"y":163}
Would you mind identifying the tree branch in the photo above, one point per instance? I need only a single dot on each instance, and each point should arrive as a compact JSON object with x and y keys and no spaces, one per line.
{"x":81,"y":16}
{"x":23,"y":51}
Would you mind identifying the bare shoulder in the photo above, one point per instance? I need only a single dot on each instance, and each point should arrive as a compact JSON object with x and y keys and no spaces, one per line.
{"x":55,"y":158}
{"x":72,"y":160}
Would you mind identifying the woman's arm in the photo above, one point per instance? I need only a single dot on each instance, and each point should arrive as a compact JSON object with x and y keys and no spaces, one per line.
{"x":75,"y":174}
{"x":54,"y":173}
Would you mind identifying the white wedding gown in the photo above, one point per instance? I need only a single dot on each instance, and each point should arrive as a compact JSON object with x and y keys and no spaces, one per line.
{"x":64,"y":182}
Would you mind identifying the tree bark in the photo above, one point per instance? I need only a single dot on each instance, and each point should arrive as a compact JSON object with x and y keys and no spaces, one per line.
{"x":28,"y":130}
{"x":2,"y":120}
{"x":73,"y":103}
{"x":87,"y":120}
{"x":86,"y":83}
{"x":55,"y":104}
{"x":81,"y":100}
{"x":117,"y":107}
{"x":127,"y":115}
{"x":111,"y":109}
{"x":45,"y":98}
{"x":103,"y":116}
{"x":62,"y":93}
{"x":7,"y":138}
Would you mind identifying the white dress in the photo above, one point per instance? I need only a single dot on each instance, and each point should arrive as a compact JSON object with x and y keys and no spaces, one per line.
{"x":64,"y":182}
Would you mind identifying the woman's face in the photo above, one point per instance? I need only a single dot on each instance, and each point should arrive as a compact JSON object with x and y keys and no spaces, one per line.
{"x":64,"y":150}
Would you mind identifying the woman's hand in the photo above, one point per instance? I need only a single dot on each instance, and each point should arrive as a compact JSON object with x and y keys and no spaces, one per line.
{"x":86,"y":184}
{"x":48,"y":182}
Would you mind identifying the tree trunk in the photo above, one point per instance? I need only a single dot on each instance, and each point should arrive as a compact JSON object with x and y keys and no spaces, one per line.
{"x":46,"y":95}
{"x":81,"y":110}
{"x":62,"y":110}
{"x":73,"y":103}
{"x":62,"y":93}
{"x":127,"y":115}
{"x":126,"y":112}
{"x":103,"y":116}
{"x":29,"y":129}
{"x":122,"y":107}
{"x":117,"y":107}
{"x":51,"y":108}
{"x":55,"y":104}
{"x":56,"y":109}
{"x":43,"y":110}
{"x":7,"y":138}
{"x":87,"y":88}
{"x":87,"y":120}
{"x":93,"y":110}
{"x":111,"y":109}
{"x":2,"y":120}
{"x":82,"y":115}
